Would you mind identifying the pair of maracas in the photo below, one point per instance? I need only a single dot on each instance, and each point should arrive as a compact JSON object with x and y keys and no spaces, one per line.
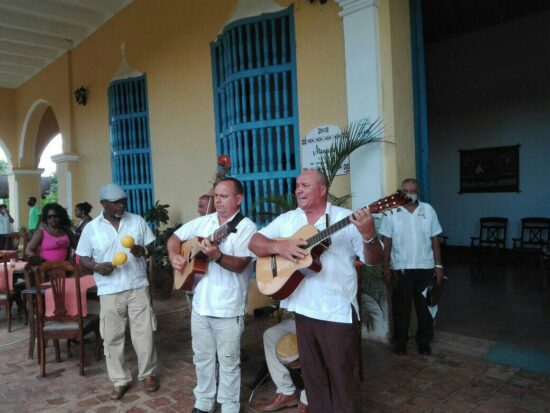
{"x":120,"y":258}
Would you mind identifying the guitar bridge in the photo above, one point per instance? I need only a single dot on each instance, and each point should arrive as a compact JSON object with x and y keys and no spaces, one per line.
{"x":273,"y":266}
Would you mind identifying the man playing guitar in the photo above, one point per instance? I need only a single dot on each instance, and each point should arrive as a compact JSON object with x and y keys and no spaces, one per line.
{"x":219,"y":301}
{"x":325,"y":303}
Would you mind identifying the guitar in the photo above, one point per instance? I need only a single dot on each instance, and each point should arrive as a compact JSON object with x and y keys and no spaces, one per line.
{"x":197,"y":261}
{"x":278,"y":277}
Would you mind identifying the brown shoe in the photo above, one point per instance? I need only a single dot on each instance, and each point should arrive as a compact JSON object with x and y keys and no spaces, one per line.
{"x":280,"y":401}
{"x":118,"y":392}
{"x":302,"y":408}
{"x":150,"y":383}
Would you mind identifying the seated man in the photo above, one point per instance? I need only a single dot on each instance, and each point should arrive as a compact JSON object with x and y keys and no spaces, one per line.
{"x":286,"y":391}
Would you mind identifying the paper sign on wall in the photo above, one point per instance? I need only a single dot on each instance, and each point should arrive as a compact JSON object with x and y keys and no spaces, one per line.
{"x":318,"y":141}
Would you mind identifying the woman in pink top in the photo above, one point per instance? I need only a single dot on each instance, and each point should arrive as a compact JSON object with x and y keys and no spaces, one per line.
{"x":55,"y":240}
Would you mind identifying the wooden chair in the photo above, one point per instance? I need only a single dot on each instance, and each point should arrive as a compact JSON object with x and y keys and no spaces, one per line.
{"x":535,"y":235}
{"x":16,"y":241}
{"x":62,"y":325}
{"x":492,"y":236}
{"x":7,"y":295}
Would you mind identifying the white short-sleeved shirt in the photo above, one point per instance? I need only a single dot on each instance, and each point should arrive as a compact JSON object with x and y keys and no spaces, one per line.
{"x":101,"y":241}
{"x":221,"y":293}
{"x":5,"y":224}
{"x":329,"y":294}
{"x":411,"y":235}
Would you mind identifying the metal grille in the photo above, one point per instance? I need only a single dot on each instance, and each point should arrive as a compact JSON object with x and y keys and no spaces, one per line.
{"x":130,"y":146}
{"x":254,"y":75}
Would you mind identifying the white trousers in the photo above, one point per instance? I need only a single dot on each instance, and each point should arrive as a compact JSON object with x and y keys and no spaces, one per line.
{"x":116,"y":309}
{"x":277,"y":370}
{"x":221,"y":337}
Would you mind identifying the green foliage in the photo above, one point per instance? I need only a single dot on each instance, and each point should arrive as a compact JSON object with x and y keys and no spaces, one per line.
{"x":269,"y":207}
{"x":160,"y":250}
{"x":53,"y":195}
{"x":156,"y":215}
{"x":351,"y":138}
{"x":374,"y":286}
{"x":4,"y":167}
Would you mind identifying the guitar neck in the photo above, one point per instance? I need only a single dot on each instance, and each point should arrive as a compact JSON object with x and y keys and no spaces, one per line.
{"x":326,"y":233}
{"x":383,"y":204}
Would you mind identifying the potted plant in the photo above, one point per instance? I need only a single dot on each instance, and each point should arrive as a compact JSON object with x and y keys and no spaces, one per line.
{"x":159,"y":266}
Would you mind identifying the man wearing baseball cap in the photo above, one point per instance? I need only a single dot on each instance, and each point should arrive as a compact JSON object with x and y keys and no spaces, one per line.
{"x":123,"y":288}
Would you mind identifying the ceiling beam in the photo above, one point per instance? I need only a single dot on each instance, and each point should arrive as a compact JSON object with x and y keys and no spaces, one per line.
{"x":60,"y":12}
{"x":16,"y":69}
{"x":22,"y":60}
{"x":34,"y":39}
{"x":27,"y":50}
{"x":39,"y":25}
{"x":104,"y":6}
{"x":8,"y":77}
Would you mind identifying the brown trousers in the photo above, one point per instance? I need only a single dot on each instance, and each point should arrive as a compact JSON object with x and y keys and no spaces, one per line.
{"x":329,"y":358}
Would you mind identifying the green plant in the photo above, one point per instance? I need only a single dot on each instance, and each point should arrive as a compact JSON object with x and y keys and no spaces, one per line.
{"x":157,"y":215}
{"x":160,"y":251}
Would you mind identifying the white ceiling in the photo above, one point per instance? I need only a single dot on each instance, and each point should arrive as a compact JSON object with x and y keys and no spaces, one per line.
{"x":33,"y":33}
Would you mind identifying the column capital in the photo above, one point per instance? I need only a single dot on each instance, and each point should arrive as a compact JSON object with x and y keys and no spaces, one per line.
{"x":65,"y":157}
{"x":353,"y":6}
{"x":19,"y":171}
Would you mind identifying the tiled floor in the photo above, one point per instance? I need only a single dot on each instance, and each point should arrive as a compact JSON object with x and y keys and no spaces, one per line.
{"x":496,"y":301}
{"x":449,"y":381}
{"x":492,"y":304}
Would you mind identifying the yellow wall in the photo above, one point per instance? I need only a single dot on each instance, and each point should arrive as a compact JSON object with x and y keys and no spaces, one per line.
{"x":50,"y":87}
{"x":8,"y":124}
{"x":397,"y":102}
{"x":47,"y":130}
{"x":170,"y":42}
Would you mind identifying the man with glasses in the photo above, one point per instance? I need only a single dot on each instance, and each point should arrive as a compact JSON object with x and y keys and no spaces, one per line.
{"x":123,"y":289}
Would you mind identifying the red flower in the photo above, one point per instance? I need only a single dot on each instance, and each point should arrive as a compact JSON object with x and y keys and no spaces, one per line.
{"x":224,"y":161}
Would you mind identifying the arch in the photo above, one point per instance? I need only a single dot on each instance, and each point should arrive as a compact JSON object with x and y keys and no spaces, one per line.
{"x":29,"y":129}
{"x":6,"y":150}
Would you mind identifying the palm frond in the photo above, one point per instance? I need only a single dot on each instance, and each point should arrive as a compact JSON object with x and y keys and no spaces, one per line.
{"x":352,"y":137}
{"x":272,"y":205}
{"x":339,"y":200}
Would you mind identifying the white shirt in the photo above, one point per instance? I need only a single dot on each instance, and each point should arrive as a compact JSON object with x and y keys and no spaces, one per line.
{"x":5,"y":224}
{"x":411,"y":235}
{"x":101,"y":241}
{"x":329,"y":294}
{"x":221,"y":293}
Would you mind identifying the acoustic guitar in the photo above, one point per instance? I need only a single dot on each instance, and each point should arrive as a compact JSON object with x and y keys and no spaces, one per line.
{"x":197,"y":261}
{"x":278,"y":277}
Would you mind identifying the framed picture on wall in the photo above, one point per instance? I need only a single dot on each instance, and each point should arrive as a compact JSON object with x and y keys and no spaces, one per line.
{"x":489,"y":169}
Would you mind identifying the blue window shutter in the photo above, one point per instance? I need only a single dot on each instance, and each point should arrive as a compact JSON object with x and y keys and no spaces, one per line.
{"x":256,"y":110}
{"x":130,"y":144}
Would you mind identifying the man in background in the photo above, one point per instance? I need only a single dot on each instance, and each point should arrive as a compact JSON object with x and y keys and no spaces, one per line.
{"x":412,"y":257}
{"x":34,"y":215}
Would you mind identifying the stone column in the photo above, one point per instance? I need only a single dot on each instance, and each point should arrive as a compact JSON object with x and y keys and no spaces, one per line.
{"x":364,"y":99}
{"x":64,"y":179}
{"x":23,"y":183}
{"x":363,"y":82}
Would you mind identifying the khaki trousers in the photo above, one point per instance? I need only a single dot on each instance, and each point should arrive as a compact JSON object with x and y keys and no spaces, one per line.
{"x":116,"y":309}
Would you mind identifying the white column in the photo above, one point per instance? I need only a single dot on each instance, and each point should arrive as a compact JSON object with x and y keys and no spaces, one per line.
{"x":23,"y":183}
{"x":364,"y":99}
{"x":64,"y":179}
{"x":362,"y":53}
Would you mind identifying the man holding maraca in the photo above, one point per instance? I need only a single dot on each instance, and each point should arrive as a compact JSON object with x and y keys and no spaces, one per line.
{"x":114,"y":246}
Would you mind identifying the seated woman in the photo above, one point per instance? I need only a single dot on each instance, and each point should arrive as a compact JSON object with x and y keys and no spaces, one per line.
{"x":81,"y":211}
{"x":54,"y":240}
